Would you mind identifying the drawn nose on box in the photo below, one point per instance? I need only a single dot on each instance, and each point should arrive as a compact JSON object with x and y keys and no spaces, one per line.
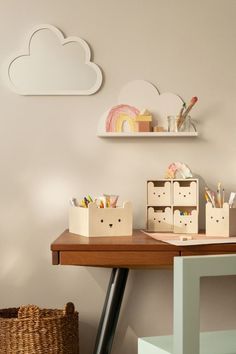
{"x":159,"y":194}
{"x":185,"y":194}
{"x":160,"y":219}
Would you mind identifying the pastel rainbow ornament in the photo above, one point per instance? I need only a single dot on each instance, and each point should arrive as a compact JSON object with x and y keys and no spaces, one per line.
{"x":119,"y":115}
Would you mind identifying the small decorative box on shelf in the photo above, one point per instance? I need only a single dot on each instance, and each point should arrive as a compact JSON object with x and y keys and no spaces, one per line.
{"x":220,"y":221}
{"x":172,"y":205}
{"x":99,"y":222}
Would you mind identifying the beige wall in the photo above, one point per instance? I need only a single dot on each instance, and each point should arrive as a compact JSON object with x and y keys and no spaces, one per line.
{"x":49,"y":150}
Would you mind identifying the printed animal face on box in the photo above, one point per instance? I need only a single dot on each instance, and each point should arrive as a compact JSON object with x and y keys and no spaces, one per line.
{"x":110,"y":221}
{"x":160,"y":194}
{"x":186,"y":223}
{"x":159,"y":220}
{"x":185,"y":195}
{"x":217,"y":220}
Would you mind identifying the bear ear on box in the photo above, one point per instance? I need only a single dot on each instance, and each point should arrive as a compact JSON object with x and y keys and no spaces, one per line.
{"x":177,"y":212}
{"x":92,"y":206}
{"x":127,"y":205}
{"x":209,"y":206}
{"x":167,"y":209}
{"x":151,"y":211}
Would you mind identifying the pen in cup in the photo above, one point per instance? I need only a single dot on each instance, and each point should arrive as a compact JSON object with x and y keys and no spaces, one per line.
{"x":210,"y":196}
{"x":232,"y":199}
{"x":183,"y":114}
{"x":218,"y":195}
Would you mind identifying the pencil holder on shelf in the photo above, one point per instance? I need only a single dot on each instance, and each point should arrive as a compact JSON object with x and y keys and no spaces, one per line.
{"x":99,"y":222}
{"x":186,"y":126}
{"x":220,"y":221}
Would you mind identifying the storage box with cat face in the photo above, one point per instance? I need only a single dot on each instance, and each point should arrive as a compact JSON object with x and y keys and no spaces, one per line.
{"x":220,"y":221}
{"x":160,"y":220}
{"x":187,"y":224}
{"x":185,"y":193}
{"x":159,"y":193}
{"x":99,"y":222}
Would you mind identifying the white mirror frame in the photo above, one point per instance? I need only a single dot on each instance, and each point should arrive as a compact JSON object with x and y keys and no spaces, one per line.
{"x":64,"y":41}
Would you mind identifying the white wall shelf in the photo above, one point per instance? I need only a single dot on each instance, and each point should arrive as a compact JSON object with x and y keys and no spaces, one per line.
{"x":148,"y":135}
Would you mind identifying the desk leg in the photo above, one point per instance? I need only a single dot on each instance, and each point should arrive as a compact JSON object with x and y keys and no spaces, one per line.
{"x":111,"y":310}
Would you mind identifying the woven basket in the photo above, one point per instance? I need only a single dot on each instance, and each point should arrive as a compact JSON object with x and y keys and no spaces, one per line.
{"x":30,"y":330}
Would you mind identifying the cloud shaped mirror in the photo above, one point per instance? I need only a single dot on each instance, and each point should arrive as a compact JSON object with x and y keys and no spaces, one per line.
{"x":51,"y":64}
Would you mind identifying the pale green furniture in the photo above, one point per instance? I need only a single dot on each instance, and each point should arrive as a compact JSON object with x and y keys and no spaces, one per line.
{"x":187,"y":338}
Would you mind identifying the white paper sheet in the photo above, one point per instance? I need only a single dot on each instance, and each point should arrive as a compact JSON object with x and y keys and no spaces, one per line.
{"x":200,"y":239}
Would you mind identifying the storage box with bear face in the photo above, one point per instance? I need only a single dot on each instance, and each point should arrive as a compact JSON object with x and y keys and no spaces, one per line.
{"x":159,"y":194}
{"x":185,"y":194}
{"x":99,"y":222}
{"x":187,"y":224}
{"x":220,"y":221}
{"x":160,"y":219}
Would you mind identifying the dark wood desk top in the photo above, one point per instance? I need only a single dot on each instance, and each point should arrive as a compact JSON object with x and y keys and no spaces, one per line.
{"x":137,"y":251}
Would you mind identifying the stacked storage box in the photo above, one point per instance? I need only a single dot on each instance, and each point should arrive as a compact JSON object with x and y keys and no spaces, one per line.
{"x":173,"y":205}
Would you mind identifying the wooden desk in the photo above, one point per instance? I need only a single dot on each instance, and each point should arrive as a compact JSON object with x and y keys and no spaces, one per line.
{"x":137,"y":251}
{"x":121,"y":254}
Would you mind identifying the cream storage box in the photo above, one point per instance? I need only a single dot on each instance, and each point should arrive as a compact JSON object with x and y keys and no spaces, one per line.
{"x":173,"y":205}
{"x":99,"y":222}
{"x":220,"y":221}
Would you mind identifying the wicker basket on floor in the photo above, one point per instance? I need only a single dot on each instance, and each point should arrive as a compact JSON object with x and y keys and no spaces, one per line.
{"x":30,"y":330}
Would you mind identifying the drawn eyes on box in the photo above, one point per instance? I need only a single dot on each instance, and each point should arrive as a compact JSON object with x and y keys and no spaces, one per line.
{"x":218,"y":219}
{"x":158,"y":220}
{"x":102,"y":221}
{"x":159,"y":194}
{"x":184,"y":194}
{"x":184,"y":223}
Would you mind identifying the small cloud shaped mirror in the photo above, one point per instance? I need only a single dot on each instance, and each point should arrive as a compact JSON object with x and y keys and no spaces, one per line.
{"x":51,"y":64}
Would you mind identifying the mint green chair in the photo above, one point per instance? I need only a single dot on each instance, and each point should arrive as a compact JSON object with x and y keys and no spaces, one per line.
{"x":187,"y":338}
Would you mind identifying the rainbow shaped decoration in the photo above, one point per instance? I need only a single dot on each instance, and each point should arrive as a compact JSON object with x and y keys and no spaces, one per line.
{"x":120,"y":114}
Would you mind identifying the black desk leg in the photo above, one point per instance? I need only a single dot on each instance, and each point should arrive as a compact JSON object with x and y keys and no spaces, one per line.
{"x":111,"y":310}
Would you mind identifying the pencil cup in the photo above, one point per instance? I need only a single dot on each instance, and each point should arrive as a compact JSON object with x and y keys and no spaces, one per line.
{"x":187,"y":125}
{"x":99,"y":222}
{"x":220,"y":221}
